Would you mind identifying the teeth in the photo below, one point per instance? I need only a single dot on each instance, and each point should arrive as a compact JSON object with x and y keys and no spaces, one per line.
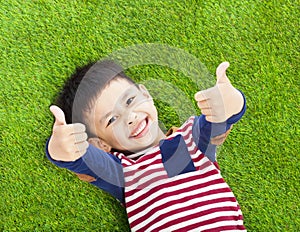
{"x":140,"y":128}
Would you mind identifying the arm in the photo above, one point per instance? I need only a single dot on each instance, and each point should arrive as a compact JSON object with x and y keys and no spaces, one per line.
{"x":105,"y":168}
{"x":221,"y":106}
{"x":68,"y":148}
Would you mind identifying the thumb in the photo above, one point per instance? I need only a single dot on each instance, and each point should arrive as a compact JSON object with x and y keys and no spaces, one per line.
{"x":59,"y":116}
{"x":221,"y":73}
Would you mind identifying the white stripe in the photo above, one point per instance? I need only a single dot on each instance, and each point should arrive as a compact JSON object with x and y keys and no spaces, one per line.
{"x":141,"y":153}
{"x":189,"y":138}
{"x":145,"y":179}
{"x":235,"y":230}
{"x":191,"y":147}
{"x":140,"y":172}
{"x":185,"y":133}
{"x":184,"y":204}
{"x":192,"y":221}
{"x":126,"y":162}
{"x":197,"y":154}
{"x":176,"y":186}
{"x":206,"y":168}
{"x":219,"y":224}
{"x":170,"y":190}
{"x":136,"y":166}
{"x":151,"y":151}
{"x":182,"y":133}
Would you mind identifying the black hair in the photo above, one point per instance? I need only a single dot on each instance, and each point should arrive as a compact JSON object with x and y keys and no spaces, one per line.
{"x":83,"y":87}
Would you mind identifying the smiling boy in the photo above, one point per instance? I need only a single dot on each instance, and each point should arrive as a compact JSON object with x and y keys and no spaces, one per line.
{"x":167,"y":183}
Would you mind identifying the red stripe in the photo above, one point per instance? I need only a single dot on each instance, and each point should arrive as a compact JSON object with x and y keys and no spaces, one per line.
{"x":198,"y":158}
{"x":190,"y":217}
{"x":144,"y":185}
{"x":215,"y":220}
{"x":175,"y":202}
{"x":201,"y":156}
{"x":132,"y":170}
{"x":166,"y":195}
{"x":216,"y":165}
{"x":194,"y":151}
{"x":140,"y":160}
{"x":204,"y":165}
{"x":178,"y":182}
{"x":188,"y":137}
{"x":224,"y":228}
{"x":146,"y":157}
{"x":185,"y":127}
{"x":145,"y":174}
{"x":179,"y":131}
{"x":122,"y":156}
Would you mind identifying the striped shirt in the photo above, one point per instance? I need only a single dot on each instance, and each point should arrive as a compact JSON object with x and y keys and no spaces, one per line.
{"x":175,"y":187}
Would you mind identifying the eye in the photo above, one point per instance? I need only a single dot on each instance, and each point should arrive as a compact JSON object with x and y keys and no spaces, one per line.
{"x":129,"y":101}
{"x":111,"y":120}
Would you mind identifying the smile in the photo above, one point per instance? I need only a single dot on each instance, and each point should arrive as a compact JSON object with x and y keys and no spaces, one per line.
{"x":140,"y":130}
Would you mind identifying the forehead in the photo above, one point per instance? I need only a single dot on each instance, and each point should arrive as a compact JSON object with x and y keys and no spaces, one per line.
{"x":115,"y":91}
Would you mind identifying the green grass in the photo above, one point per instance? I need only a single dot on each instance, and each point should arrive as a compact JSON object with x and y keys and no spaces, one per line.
{"x":41,"y":43}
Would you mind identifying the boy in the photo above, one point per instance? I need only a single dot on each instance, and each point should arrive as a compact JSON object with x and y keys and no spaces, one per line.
{"x":167,"y":183}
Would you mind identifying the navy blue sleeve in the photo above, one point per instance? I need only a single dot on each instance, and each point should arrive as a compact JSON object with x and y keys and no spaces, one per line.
{"x":203,"y":131}
{"x":104,"y":167}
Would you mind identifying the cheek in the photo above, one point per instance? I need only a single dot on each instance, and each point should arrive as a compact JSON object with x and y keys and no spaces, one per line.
{"x":117,"y":135}
{"x":148,"y":106}
{"x":153,"y":110}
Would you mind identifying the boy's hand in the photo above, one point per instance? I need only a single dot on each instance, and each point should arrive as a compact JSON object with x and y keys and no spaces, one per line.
{"x":67,"y":142}
{"x":221,"y":101}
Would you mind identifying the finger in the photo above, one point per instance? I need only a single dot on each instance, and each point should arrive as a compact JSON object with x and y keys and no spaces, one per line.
{"x":70,"y":129}
{"x":221,"y":73}
{"x":206,"y":94}
{"x":203,"y":104}
{"x":77,"y":151}
{"x":80,"y":148}
{"x":207,"y":112}
{"x":80,"y":137}
{"x":213,"y":118}
{"x":201,"y":96}
{"x":78,"y":128}
{"x":59,"y":115}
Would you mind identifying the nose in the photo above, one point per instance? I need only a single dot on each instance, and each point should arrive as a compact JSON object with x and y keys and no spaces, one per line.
{"x":132,"y":118}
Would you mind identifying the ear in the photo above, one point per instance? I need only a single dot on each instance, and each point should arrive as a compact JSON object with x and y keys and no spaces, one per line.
{"x":99,"y":143}
{"x":145,"y":91}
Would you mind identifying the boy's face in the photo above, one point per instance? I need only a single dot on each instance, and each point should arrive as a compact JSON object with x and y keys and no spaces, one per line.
{"x":125,"y":118}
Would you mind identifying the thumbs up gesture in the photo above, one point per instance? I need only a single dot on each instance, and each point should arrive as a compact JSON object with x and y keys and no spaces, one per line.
{"x":68,"y":142}
{"x":221,"y":101}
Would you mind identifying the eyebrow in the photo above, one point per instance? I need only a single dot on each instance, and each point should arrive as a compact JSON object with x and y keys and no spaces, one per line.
{"x":105,"y":116}
{"x":126,"y":94}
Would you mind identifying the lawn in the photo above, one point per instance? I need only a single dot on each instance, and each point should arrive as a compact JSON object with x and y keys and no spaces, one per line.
{"x":43,"y":41}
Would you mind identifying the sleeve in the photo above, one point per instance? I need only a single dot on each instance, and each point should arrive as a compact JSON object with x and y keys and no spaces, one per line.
{"x":203,"y":131}
{"x":104,"y":167}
